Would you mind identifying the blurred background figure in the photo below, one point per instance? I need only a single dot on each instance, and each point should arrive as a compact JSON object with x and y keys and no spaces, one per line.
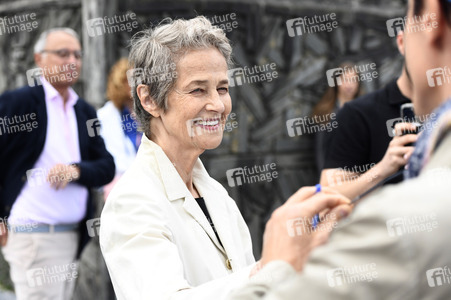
{"x":48,"y":172}
{"x":119,"y":127}
{"x":362,"y":153}
{"x":333,"y":99}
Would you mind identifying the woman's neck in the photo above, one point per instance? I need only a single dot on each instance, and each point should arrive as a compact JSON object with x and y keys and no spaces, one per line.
{"x":183,"y":160}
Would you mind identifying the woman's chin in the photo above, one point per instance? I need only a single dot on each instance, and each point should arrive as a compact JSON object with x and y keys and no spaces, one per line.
{"x":208,"y":142}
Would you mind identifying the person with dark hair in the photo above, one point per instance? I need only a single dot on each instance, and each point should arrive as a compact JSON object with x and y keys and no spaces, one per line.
{"x":333,"y":99}
{"x":361,"y":152}
{"x":394,"y":244}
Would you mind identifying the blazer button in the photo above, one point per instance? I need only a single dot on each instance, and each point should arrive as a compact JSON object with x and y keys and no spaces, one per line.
{"x":229,"y":263}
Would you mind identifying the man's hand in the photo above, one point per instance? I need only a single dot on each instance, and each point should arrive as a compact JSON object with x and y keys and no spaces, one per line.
{"x":3,"y":234}
{"x":398,"y":154}
{"x":60,"y":175}
{"x":289,"y":235}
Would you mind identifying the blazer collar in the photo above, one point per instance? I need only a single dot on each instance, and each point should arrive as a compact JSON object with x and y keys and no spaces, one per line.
{"x":176,"y":189}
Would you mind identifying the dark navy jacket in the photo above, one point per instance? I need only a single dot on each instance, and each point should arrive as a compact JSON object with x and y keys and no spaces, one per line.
{"x":20,"y":150}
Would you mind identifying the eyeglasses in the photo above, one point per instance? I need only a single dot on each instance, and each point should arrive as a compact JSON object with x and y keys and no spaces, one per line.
{"x":65,"y":53}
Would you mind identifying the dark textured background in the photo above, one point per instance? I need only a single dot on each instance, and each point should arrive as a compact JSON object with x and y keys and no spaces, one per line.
{"x":261,"y":109}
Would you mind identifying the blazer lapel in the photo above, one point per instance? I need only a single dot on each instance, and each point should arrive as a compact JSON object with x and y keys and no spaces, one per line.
{"x":218,"y":211}
{"x":176,"y":189}
{"x":83,"y":137}
{"x":193,"y":208}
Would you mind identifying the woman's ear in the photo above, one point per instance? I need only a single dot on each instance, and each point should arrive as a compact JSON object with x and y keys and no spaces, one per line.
{"x":147,"y":102}
{"x":400,"y":42}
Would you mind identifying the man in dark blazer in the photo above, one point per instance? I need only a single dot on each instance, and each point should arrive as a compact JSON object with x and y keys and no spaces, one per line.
{"x":51,"y":155}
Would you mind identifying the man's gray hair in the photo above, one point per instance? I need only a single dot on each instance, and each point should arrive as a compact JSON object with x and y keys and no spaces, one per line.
{"x":42,"y":40}
{"x":155,"y":52}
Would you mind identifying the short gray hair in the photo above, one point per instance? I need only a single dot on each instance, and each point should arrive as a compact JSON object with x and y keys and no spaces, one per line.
{"x":164,"y":46}
{"x":42,"y":40}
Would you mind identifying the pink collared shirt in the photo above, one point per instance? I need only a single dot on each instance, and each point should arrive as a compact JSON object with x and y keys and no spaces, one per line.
{"x":38,"y":201}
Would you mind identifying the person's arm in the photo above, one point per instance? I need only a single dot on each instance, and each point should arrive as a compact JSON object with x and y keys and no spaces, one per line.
{"x":363,"y":258}
{"x":3,"y":233}
{"x":353,"y":184}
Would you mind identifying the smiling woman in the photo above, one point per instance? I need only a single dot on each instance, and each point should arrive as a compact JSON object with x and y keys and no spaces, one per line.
{"x":167,"y":221}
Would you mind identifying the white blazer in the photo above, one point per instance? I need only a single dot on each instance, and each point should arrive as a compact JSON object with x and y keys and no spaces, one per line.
{"x":157,"y":242}
{"x":116,"y":142}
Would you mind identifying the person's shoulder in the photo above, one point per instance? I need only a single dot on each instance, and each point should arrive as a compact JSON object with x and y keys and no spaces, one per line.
{"x":367,"y":101}
{"x":200,"y":169}
{"x":107,"y":108}
{"x":25,"y":93}
{"x":363,"y":106}
{"x":139,"y":184}
{"x":221,"y":192}
{"x":108,"y":114}
{"x":430,"y":191}
{"x":218,"y":186}
{"x":84,"y":106}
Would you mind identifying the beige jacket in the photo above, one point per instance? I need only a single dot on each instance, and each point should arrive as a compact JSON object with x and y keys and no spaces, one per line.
{"x":157,"y":242}
{"x":395,"y":245}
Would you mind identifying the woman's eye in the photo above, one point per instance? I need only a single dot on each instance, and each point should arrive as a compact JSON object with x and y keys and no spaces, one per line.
{"x":197,"y":91}
{"x":223,"y":90}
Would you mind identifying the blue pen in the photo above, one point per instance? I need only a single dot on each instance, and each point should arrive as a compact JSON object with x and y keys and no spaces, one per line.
{"x":316,"y":219}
